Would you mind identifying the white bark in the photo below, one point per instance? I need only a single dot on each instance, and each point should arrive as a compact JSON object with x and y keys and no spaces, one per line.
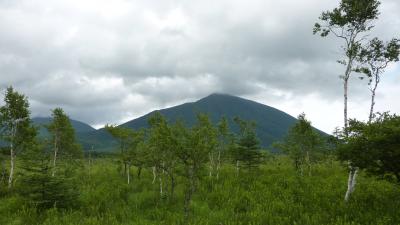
{"x":12,"y":150}
{"x":210,"y":156}
{"x":154,"y":175}
{"x":237,"y":167}
{"x":128,"y":173}
{"x":12,"y":161}
{"x":161,"y":185}
{"x":373,"y":93}
{"x":351,"y":183}
{"x":55,"y":155}
{"x":218,"y":163}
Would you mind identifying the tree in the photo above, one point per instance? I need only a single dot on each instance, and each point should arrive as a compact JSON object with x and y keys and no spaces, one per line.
{"x":192,"y":149}
{"x":162,"y":150}
{"x":350,"y":22}
{"x":375,"y":57}
{"x":122,"y":135}
{"x":302,"y":144}
{"x":247,"y":146}
{"x":130,"y":142}
{"x":63,"y":137}
{"x":16,"y":128}
{"x":374,"y":146}
{"x":225,"y":142}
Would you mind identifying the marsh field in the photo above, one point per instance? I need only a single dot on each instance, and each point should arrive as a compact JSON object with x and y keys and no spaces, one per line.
{"x":274,"y":194}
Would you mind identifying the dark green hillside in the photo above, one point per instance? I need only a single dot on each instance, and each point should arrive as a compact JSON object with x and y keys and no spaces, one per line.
{"x":79,"y":127}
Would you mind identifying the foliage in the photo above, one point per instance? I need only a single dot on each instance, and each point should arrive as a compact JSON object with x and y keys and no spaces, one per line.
{"x":247,"y":147}
{"x":63,"y":135}
{"x":303,"y":144}
{"x":374,"y":146}
{"x":39,"y":187}
{"x":276,"y":196}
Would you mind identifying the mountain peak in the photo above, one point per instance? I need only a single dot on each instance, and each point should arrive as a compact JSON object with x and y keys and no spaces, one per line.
{"x":218,"y":97}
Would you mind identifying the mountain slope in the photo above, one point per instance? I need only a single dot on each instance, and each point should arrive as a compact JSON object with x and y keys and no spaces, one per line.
{"x":272,"y":124}
{"x":79,"y":127}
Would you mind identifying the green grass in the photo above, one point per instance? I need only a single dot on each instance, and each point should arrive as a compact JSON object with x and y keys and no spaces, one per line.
{"x":274,"y":195}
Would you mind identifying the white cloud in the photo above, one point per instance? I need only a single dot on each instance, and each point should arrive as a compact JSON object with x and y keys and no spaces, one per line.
{"x":110,"y":61}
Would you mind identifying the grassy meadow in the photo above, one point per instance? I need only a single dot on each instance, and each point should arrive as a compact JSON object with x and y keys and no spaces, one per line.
{"x":275,"y":194}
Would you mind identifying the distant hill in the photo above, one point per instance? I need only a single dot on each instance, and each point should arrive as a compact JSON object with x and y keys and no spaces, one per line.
{"x":79,"y":127}
{"x":272,"y":124}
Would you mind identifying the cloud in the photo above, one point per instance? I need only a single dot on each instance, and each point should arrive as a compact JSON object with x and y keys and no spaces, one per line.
{"x":107,"y":62}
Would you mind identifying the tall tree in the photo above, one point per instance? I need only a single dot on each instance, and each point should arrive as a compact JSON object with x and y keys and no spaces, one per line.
{"x":130,"y":145}
{"x":192,"y":149}
{"x":162,"y":145}
{"x":302,"y":143}
{"x":225,"y":142}
{"x":63,"y":137}
{"x":122,"y":135}
{"x":375,"y":57}
{"x":16,"y":128}
{"x":350,"y":22}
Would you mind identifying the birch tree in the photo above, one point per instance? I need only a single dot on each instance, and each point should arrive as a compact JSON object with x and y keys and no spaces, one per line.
{"x":351,"y":23}
{"x":192,"y":148}
{"x":63,"y":138}
{"x":16,"y":128}
{"x":225,"y":142}
{"x":121,"y":134}
{"x":162,"y":151}
{"x":375,"y":57}
{"x":302,"y":144}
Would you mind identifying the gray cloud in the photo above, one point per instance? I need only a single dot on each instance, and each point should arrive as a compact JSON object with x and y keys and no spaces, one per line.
{"x":108,"y":62}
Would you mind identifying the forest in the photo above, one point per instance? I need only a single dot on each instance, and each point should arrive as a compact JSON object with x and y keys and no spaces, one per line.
{"x":214,"y":173}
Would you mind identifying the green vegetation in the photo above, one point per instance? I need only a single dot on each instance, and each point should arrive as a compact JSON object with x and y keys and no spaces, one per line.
{"x":199,"y":174}
{"x":196,"y":168}
{"x":277,"y":195}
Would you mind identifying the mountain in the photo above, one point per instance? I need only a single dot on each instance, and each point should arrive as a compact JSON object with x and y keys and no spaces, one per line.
{"x":272,"y":124}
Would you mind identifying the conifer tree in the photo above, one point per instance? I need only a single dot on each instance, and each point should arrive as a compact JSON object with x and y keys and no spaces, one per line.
{"x":247,"y":149}
{"x":38,"y":185}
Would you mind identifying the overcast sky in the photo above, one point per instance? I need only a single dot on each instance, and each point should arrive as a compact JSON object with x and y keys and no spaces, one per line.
{"x":111,"y":61}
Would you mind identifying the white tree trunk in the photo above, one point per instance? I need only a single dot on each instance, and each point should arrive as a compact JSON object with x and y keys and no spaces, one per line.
{"x":345,"y":87}
{"x":237,"y":167}
{"x":351,"y":183}
{"x":218,"y":163}
{"x":12,"y":155}
{"x":373,"y":92}
{"x":161,"y":184}
{"x":12,"y":161}
{"x":55,"y":156}
{"x":128,"y":173}
{"x":154,"y":175}
{"x":210,"y":155}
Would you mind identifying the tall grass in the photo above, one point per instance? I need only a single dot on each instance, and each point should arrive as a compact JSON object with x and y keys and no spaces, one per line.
{"x":275,"y":194}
